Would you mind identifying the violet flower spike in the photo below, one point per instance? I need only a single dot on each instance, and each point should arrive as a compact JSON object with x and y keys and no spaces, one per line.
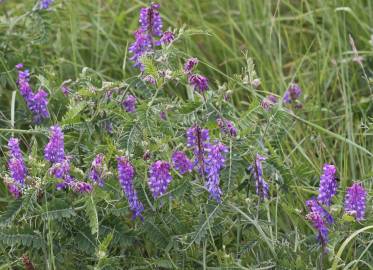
{"x":328,"y":185}
{"x":150,"y":20}
{"x":181,"y":162}
{"x":214,"y":163}
{"x":126,"y":174}
{"x":130,"y":103}
{"x":81,"y":187}
{"x":23,"y":82}
{"x":39,"y":106}
{"x":14,"y":190}
{"x":16,"y":164}
{"x":314,"y":206}
{"x":140,"y":47}
{"x":167,"y":38}
{"x":97,"y":171}
{"x":198,"y":140}
{"x":262,"y":188}
{"x":18,"y":170}
{"x":292,"y":94}
{"x":190,"y":64}
{"x":199,"y":82}
{"x":159,"y":178}
{"x":150,"y":27}
{"x":54,"y":150}
{"x":61,"y":169}
{"x":319,"y":224}
{"x":355,"y":201}
{"x":268,"y":102}
{"x":44,"y":4}
{"x":227,"y":127}
{"x":38,"y":102}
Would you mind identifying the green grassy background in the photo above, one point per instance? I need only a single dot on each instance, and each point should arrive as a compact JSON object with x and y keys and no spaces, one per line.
{"x":302,"y":41}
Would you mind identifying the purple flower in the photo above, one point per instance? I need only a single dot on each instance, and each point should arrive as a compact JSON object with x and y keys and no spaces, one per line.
{"x":268,"y":102}
{"x":150,"y":79}
{"x":314,"y":206}
{"x":199,"y":82}
{"x":214,"y":163}
{"x":190,"y":64}
{"x":14,"y":150}
{"x":163,"y":115}
{"x":159,"y":178}
{"x":140,"y":47}
{"x":181,"y":162}
{"x":96,"y":174}
{"x":81,"y":187}
{"x":24,"y":84}
{"x":150,"y":27}
{"x":17,"y":170}
{"x":44,"y":4}
{"x":130,"y":103}
{"x":328,"y":185}
{"x":227,"y":127}
{"x":151,"y":21}
{"x":61,"y":169}
{"x":167,"y":37}
{"x":262,"y":188}
{"x":14,"y":190}
{"x":39,"y":106}
{"x":65,"y":89}
{"x":319,"y":224}
{"x":355,"y":201}
{"x":54,"y":150}
{"x":198,"y":139}
{"x":16,"y":164}
{"x":292,"y":94}
{"x":126,"y":173}
{"x":38,"y":102}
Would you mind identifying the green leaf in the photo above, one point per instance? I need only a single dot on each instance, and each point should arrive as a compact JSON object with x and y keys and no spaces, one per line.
{"x":92,"y":215}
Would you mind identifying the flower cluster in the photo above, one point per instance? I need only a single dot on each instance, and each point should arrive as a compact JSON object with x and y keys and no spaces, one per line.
{"x":38,"y":102}
{"x":130,"y":103}
{"x":318,"y":215}
{"x":126,"y":173}
{"x":190,"y":64}
{"x":292,"y":94}
{"x":227,"y":127}
{"x":16,"y":163}
{"x":214,"y":163}
{"x":54,"y":152}
{"x":355,"y":201}
{"x":198,"y":140}
{"x":97,"y":171}
{"x":17,"y":168}
{"x":61,"y":169}
{"x":197,"y":81}
{"x":44,"y":4}
{"x":181,"y":162}
{"x":268,"y":102}
{"x":328,"y":185}
{"x":262,"y":188}
{"x":314,"y":206}
{"x":319,"y":224}
{"x":208,"y":158}
{"x":159,"y":178}
{"x":145,"y":37}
